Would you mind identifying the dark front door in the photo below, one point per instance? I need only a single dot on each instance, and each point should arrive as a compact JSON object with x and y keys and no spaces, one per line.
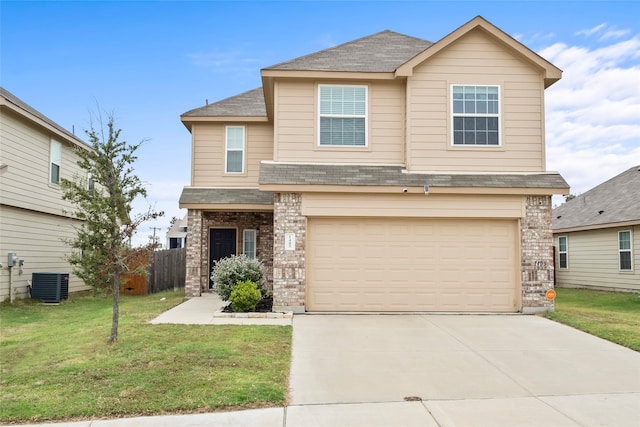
{"x":222,"y":243}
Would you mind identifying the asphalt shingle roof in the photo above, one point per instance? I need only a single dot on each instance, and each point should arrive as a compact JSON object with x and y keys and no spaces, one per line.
{"x":247,"y":104}
{"x":225,"y":196}
{"x":372,"y":175}
{"x":382,"y":52}
{"x":614,"y":201}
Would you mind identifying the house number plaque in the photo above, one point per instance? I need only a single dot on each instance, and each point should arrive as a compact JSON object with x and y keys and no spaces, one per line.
{"x":289,"y":241}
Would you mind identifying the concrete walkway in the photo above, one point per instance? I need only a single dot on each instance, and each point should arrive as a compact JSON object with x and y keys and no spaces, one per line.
{"x":433,"y":371}
{"x":207,"y":310}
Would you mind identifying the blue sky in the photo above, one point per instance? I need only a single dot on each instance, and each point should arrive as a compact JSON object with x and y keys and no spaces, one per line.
{"x":150,"y":61}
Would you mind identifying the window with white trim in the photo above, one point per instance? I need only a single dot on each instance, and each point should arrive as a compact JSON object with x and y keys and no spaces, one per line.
{"x":563,"y":252}
{"x":55,"y":155}
{"x":91,"y":183}
{"x":624,"y":250}
{"x":234,"y":152}
{"x":249,"y":243}
{"x":343,"y":116}
{"x":476,"y":115}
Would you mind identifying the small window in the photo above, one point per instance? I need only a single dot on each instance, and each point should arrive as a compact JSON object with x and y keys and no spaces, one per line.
{"x":563,"y":259}
{"x":476,"y":115}
{"x":249,"y":243}
{"x":624,"y":250}
{"x":343,"y":116}
{"x":56,"y":160}
{"x":235,"y":149}
{"x":91,"y":184}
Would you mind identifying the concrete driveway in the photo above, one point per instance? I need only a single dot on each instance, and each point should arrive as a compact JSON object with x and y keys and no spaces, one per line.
{"x":458,"y":370}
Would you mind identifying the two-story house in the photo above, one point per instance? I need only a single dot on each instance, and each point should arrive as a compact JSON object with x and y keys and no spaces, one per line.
{"x":385,"y":174}
{"x":35,"y":154}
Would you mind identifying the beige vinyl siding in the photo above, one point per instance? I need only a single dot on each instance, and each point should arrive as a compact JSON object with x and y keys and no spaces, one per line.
{"x":25,"y":182}
{"x":208,"y":154}
{"x":412,"y":205}
{"x":475,"y":59}
{"x":36,"y":238}
{"x":593,"y":260}
{"x":296,"y":124}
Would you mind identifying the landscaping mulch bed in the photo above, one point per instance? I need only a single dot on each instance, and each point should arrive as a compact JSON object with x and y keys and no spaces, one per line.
{"x":264,"y":306}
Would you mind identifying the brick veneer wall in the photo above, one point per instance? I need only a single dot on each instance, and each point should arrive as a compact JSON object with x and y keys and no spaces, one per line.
{"x":537,"y":255}
{"x":198,"y":270}
{"x":192,"y":287}
{"x":289,"y":265}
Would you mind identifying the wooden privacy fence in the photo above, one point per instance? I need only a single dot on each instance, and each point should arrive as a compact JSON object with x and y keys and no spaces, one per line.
{"x":167,"y":270}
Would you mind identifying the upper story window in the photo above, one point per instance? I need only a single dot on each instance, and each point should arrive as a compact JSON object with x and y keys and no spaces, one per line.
{"x":624,"y":250}
{"x":476,"y":115}
{"x":343,"y":116}
{"x":234,"y":157}
{"x":563,"y":252}
{"x":55,"y":155}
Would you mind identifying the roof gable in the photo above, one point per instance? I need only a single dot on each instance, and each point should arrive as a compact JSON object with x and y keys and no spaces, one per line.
{"x":382,"y":52}
{"x":615,"y":201}
{"x":551,"y":73}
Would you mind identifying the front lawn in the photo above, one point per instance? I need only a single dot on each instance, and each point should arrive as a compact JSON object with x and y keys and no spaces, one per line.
{"x":614,"y":316}
{"x":56,"y":365}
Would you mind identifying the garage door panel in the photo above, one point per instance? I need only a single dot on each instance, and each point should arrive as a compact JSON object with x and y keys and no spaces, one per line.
{"x":382,"y":264}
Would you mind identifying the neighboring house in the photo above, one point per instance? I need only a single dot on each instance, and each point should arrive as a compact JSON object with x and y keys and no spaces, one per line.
{"x":597,"y":236}
{"x":177,"y":234}
{"x":35,"y":154}
{"x":385,"y":174}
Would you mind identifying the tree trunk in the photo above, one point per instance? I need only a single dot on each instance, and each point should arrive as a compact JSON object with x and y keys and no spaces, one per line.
{"x":116,"y":309}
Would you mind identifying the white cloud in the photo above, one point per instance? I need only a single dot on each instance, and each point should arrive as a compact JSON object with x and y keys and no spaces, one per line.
{"x":236,"y":59}
{"x":591,"y":31}
{"x":614,"y":34}
{"x":593,"y":113}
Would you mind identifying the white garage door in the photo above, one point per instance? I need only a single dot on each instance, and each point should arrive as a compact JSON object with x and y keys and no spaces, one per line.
{"x":382,"y":264}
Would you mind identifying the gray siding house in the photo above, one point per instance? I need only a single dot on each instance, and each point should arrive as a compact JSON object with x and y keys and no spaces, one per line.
{"x":597,"y":236}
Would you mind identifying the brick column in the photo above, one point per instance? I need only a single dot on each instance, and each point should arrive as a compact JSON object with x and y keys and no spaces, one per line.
{"x":193,"y":287}
{"x":288,"y":264}
{"x":537,"y":255}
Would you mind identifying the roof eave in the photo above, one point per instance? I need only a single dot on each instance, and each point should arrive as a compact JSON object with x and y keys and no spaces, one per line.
{"x":596,"y":226}
{"x":323,"y":74}
{"x":52,"y":128}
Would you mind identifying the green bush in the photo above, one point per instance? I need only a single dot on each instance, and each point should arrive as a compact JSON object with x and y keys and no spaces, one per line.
{"x":245,"y":296}
{"x":227,"y":272}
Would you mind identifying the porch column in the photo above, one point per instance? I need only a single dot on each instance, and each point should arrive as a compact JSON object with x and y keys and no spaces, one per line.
{"x":289,"y":238}
{"x":537,"y":255}
{"x":193,"y":287}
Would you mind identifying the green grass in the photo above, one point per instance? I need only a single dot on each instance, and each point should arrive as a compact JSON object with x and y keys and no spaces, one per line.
{"x":55,"y":363}
{"x":614,"y":316}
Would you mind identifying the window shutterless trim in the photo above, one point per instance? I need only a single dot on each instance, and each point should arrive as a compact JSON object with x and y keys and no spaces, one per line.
{"x":564,"y":252}
{"x":628,"y":250}
{"x":55,"y":162}
{"x":476,"y":117}
{"x":364,"y":116}
{"x":227,"y":150}
{"x":254,"y":240}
